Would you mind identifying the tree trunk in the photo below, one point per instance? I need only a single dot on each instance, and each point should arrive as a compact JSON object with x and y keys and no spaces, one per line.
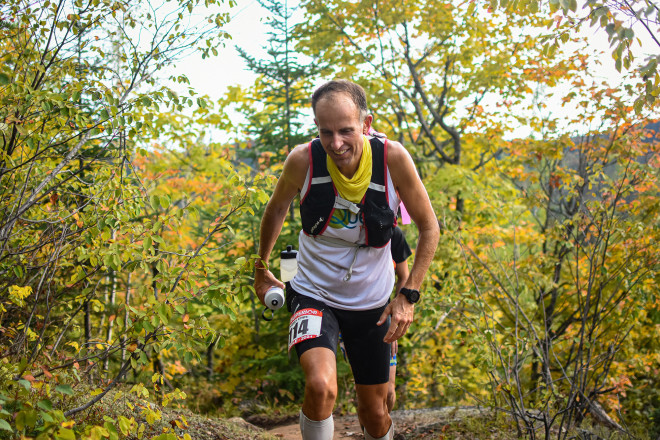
{"x":209,"y":361}
{"x":88,"y":323}
{"x":110,"y":308}
{"x":127,"y":301}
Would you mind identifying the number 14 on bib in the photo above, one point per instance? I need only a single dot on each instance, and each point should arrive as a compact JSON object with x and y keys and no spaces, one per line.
{"x":305,"y":324}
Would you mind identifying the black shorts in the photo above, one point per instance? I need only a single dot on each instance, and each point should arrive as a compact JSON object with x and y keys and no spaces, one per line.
{"x":315,"y":324}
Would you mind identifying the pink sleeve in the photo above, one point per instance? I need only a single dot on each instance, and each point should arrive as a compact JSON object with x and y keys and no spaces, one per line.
{"x":405,"y":217}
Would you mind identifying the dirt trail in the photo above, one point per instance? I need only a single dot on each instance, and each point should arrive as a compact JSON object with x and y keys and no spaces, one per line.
{"x":406,"y":422}
{"x":346,"y":427}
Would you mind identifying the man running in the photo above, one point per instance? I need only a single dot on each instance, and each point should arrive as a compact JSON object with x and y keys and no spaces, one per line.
{"x":345,"y":273}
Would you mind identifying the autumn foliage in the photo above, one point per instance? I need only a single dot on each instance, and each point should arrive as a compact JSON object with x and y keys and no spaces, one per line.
{"x":128,"y":234}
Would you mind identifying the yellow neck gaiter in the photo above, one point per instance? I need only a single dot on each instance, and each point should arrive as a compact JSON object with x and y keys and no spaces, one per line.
{"x":353,"y":189}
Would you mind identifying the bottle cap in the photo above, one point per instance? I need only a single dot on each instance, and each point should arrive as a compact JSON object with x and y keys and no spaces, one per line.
{"x":274,"y":298}
{"x":289,"y":253}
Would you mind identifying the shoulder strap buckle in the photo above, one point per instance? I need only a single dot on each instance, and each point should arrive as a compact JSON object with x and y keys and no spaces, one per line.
{"x":341,"y":203}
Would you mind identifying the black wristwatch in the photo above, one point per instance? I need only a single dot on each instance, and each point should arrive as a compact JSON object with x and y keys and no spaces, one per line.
{"x":411,"y":295}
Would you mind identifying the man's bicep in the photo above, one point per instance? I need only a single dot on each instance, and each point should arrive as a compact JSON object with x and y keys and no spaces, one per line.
{"x":292,"y":178}
{"x":409,"y":185}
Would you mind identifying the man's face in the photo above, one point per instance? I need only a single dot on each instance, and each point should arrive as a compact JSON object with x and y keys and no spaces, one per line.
{"x":340,"y":131}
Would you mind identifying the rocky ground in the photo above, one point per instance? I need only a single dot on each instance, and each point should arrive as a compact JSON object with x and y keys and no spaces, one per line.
{"x":409,"y":424}
{"x":456,"y":423}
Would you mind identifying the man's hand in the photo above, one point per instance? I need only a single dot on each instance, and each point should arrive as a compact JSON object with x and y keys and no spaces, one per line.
{"x":264,"y":280}
{"x":402,"y":312}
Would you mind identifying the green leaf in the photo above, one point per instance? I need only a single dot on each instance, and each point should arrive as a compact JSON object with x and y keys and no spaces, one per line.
{"x":153,"y":200}
{"x":124,"y":425}
{"x":164,"y":201}
{"x":45,"y":404}
{"x":4,"y":425}
{"x":162,"y":312}
{"x":166,"y":436}
{"x":629,"y":33}
{"x":112,"y":431}
{"x":46,"y":416}
{"x":610,"y":29}
{"x":25,"y":384}
{"x":64,"y":389}
{"x":66,"y":434}
{"x":26,"y":419}
{"x":4,"y":79}
{"x":146,"y":244}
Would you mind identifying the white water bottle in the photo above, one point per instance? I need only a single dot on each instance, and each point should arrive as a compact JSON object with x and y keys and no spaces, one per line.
{"x":274,"y":298}
{"x":288,"y":263}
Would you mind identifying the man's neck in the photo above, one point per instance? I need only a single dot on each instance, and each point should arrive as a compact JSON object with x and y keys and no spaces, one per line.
{"x":350,"y":170}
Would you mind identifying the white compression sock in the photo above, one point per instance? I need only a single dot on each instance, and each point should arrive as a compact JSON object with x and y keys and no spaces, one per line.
{"x":388,"y":436}
{"x":313,"y":430}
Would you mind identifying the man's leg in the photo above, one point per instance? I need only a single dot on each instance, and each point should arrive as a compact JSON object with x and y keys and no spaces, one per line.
{"x":372,"y":411}
{"x":369,"y":357}
{"x":391,"y":389}
{"x":320,"y":368}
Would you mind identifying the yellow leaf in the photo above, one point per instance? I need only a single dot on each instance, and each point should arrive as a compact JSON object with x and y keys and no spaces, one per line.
{"x":17,"y":294}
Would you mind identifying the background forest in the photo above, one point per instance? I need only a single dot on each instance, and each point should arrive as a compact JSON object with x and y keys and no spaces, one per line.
{"x":130,"y":206}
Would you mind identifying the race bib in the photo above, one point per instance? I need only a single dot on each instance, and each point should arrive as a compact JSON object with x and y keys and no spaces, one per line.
{"x":305,"y":324}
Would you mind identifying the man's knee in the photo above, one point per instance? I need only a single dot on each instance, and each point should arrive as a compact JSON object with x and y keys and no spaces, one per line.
{"x":321,"y":387}
{"x":391,"y":399}
{"x":373,"y":413}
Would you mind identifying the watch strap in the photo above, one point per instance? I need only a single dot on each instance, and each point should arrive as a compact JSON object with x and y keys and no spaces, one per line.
{"x":411,"y":295}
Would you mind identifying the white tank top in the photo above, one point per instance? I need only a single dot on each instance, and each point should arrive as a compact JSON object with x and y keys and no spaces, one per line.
{"x":323,"y":266}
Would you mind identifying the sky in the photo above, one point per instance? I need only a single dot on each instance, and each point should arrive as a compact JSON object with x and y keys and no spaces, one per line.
{"x":214,"y":75}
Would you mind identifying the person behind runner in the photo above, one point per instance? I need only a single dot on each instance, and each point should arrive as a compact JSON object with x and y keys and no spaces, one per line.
{"x":345,"y":272}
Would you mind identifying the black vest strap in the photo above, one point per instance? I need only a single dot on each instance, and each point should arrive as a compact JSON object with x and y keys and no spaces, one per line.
{"x":317,"y":205}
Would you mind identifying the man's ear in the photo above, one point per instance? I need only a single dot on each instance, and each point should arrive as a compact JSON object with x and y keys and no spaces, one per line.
{"x":366,"y":125}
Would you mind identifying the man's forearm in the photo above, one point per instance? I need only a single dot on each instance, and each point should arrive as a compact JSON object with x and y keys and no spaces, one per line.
{"x":271,"y":226}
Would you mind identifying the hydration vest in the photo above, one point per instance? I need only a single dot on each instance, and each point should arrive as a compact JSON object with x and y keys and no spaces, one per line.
{"x":322,"y":198}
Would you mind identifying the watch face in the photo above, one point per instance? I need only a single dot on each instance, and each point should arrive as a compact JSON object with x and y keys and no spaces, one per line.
{"x":411,"y":295}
